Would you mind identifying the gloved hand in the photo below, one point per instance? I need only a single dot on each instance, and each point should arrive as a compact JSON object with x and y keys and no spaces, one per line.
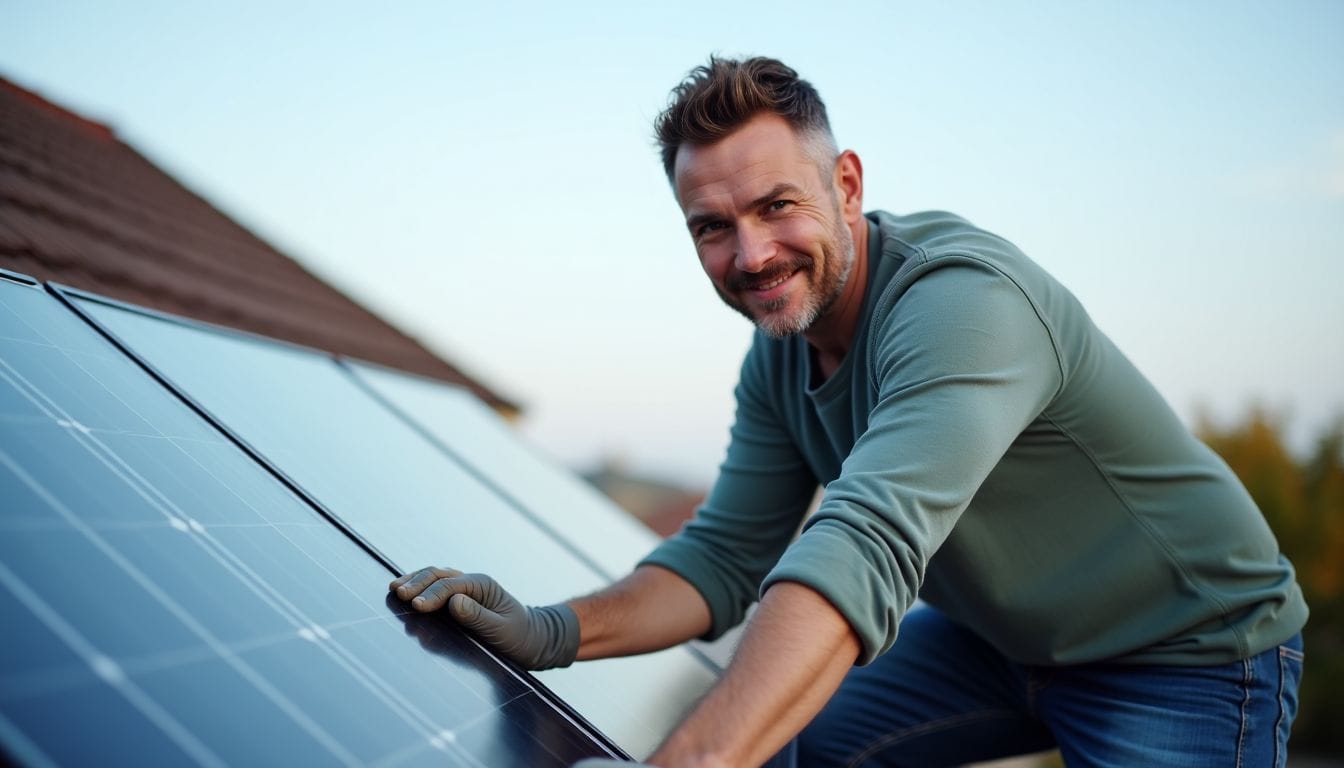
{"x":535,"y":638}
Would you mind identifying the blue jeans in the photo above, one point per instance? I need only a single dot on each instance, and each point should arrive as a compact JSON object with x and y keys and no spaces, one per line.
{"x":943,"y":696}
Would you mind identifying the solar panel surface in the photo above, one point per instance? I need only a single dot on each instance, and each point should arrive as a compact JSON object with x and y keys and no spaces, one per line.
{"x":395,"y":485}
{"x":167,"y":601}
{"x":474,"y":434}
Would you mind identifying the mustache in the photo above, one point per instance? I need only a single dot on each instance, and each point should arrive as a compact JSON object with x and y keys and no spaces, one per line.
{"x":746,"y":281}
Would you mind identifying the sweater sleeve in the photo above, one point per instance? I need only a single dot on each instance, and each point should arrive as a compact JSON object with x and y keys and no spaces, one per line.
{"x":752,"y":512}
{"x":962,"y":363}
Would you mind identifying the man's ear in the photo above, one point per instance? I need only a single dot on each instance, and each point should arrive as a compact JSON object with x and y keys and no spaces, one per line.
{"x":848,"y":181}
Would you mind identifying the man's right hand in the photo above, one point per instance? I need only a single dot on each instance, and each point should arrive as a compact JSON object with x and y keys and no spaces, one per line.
{"x":533,"y":637}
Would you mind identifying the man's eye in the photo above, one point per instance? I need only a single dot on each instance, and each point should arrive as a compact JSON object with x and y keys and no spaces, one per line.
{"x":708,"y":227}
{"x":778,"y":205}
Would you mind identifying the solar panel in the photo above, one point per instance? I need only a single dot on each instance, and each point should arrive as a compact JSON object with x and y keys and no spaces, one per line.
{"x":165,"y":600}
{"x":392,"y":482}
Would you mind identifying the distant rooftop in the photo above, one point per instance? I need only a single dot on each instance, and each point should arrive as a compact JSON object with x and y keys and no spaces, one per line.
{"x":80,"y":207}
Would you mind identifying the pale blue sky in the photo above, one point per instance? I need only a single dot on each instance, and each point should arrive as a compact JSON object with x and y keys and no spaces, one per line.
{"x":483,"y":174}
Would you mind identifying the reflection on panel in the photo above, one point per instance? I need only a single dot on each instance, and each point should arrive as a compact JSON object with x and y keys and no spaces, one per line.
{"x":406,"y":497}
{"x":166,"y":601}
{"x":476,"y":435}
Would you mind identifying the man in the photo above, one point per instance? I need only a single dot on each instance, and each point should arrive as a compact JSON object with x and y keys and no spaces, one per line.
{"x":1096,"y":578}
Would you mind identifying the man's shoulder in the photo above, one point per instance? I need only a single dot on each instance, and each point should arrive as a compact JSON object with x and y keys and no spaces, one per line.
{"x":916,"y":219}
{"x":911,"y":246}
{"x":966,"y":261}
{"x":928,"y":235}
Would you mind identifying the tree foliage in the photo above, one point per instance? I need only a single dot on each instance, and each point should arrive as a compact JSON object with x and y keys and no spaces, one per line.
{"x":1303,"y":500}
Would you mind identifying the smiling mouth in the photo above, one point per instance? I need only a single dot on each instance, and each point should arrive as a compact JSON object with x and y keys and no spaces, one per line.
{"x":762,"y":287}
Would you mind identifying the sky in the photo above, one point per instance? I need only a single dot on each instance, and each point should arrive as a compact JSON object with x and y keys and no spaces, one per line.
{"x":484,"y":175}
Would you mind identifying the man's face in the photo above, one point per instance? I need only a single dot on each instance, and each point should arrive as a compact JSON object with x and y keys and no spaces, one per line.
{"x":766,"y":223}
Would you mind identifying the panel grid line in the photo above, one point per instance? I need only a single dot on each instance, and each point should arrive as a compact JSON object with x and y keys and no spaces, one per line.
{"x":30,"y":753}
{"x":76,"y":641}
{"x":144,"y":582}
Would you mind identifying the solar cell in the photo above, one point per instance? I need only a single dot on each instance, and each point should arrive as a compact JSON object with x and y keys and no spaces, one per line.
{"x":166,"y":601}
{"x":393,"y":483}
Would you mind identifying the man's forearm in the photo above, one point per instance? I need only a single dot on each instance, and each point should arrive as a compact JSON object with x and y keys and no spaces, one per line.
{"x":651,"y":609}
{"x":793,"y":656}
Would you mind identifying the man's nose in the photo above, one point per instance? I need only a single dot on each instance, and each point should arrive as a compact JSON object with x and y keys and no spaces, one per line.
{"x":755,"y":249}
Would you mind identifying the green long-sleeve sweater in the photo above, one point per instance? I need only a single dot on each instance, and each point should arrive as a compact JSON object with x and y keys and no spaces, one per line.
{"x":985,"y":447}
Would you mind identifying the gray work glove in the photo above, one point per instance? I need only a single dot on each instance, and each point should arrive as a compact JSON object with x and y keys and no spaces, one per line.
{"x":535,"y":638}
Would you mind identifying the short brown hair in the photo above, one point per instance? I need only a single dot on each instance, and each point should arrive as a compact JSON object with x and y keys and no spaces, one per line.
{"x":717,"y":98}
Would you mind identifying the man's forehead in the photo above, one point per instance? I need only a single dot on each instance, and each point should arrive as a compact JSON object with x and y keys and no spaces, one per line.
{"x":761,"y":154}
{"x":748,"y":184}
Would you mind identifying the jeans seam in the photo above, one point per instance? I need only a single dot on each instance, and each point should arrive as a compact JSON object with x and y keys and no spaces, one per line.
{"x":923,"y":728}
{"x":1246,"y":679}
{"x":1285,"y":655}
